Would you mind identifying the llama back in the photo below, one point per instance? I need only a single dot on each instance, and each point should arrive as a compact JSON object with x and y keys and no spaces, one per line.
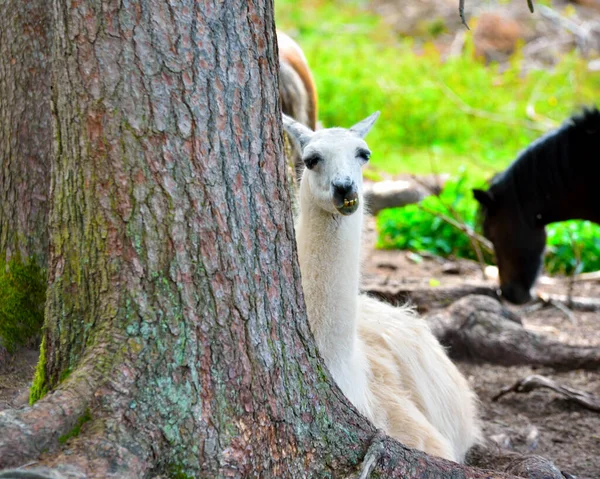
{"x":402,"y":349}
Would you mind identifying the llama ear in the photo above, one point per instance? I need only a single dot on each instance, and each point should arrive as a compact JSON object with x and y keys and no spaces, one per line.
{"x":298,"y":131}
{"x":363,"y":127}
{"x":486,"y":198}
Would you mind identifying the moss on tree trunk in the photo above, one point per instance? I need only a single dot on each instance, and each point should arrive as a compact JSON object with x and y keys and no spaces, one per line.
{"x":175,"y":314}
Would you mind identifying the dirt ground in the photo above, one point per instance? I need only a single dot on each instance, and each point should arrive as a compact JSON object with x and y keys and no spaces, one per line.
{"x":540,"y":422}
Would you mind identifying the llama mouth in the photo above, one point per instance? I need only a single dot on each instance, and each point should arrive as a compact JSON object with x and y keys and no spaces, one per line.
{"x":348,"y":207}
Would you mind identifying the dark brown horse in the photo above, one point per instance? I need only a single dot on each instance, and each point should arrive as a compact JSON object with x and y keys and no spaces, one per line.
{"x":555,"y":179}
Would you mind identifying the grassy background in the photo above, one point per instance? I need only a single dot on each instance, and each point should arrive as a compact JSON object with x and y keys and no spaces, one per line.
{"x":457,"y":116}
{"x":449,"y":114}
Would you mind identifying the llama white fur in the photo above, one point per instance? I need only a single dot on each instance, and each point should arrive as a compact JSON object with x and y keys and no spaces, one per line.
{"x":384,"y":358}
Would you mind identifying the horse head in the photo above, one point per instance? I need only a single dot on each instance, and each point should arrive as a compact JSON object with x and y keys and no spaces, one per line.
{"x":518,"y":243}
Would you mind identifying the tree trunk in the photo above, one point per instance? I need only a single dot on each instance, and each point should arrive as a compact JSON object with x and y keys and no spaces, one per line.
{"x":176,"y":339}
{"x":25,"y":128}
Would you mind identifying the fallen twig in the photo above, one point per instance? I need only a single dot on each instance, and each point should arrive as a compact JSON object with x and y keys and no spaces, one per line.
{"x":544,"y":300}
{"x":578,"y":278}
{"x":575,"y":303}
{"x":582,"y":277}
{"x":535,"y":381}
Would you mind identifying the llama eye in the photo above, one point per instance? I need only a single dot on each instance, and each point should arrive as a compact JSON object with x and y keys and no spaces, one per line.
{"x":364,"y":155}
{"x":311,"y":160}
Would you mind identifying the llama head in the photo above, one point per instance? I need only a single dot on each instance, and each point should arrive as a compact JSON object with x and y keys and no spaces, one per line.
{"x":333,"y":158}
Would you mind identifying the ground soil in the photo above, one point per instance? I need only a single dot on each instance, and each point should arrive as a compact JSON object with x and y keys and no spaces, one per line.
{"x":16,"y":372}
{"x":540,"y":422}
{"x":559,"y":430}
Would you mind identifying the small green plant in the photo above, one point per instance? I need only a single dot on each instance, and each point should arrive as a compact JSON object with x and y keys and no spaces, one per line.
{"x":85,"y":417}
{"x":571,"y":244}
{"x":39,"y":387}
{"x":22,"y":298}
{"x":415,"y":228}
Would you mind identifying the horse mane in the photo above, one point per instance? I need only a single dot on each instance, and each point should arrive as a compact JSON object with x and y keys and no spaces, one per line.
{"x":550,"y":163}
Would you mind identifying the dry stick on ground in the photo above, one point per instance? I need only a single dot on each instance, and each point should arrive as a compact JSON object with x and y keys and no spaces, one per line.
{"x":535,"y":381}
{"x":574,"y":303}
{"x":390,"y":194}
{"x":593,"y":276}
{"x":426,"y":298}
{"x":578,"y":278}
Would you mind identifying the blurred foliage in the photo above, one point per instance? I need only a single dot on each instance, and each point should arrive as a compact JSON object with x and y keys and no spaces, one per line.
{"x":22,"y":299}
{"x":571,"y":244}
{"x":437,"y":116}
{"x":449,"y":113}
{"x":415,"y":228}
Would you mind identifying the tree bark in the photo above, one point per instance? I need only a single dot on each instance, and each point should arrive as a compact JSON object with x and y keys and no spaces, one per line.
{"x":176,"y":340}
{"x":25,"y":128}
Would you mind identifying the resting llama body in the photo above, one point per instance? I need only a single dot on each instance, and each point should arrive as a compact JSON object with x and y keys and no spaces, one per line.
{"x":384,"y":359}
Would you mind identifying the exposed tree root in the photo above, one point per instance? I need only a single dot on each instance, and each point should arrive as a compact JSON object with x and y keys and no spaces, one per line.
{"x":476,"y":328}
{"x":535,"y":381}
{"x":425,"y":299}
{"x":528,"y":466}
{"x":28,"y":432}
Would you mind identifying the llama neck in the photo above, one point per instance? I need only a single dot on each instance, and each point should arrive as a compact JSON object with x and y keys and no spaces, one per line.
{"x":328,"y":251}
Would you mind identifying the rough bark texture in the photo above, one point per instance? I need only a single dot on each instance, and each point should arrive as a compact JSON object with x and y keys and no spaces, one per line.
{"x":25,"y":128}
{"x":176,"y":341}
{"x":479,"y":328}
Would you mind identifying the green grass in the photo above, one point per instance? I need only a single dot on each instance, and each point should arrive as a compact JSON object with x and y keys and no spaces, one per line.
{"x":435,"y":114}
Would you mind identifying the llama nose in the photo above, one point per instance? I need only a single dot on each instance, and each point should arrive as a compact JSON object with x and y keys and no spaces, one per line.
{"x":345,"y":196}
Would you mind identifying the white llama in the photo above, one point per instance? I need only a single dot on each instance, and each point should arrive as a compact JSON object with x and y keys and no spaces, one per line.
{"x":385,"y":359}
